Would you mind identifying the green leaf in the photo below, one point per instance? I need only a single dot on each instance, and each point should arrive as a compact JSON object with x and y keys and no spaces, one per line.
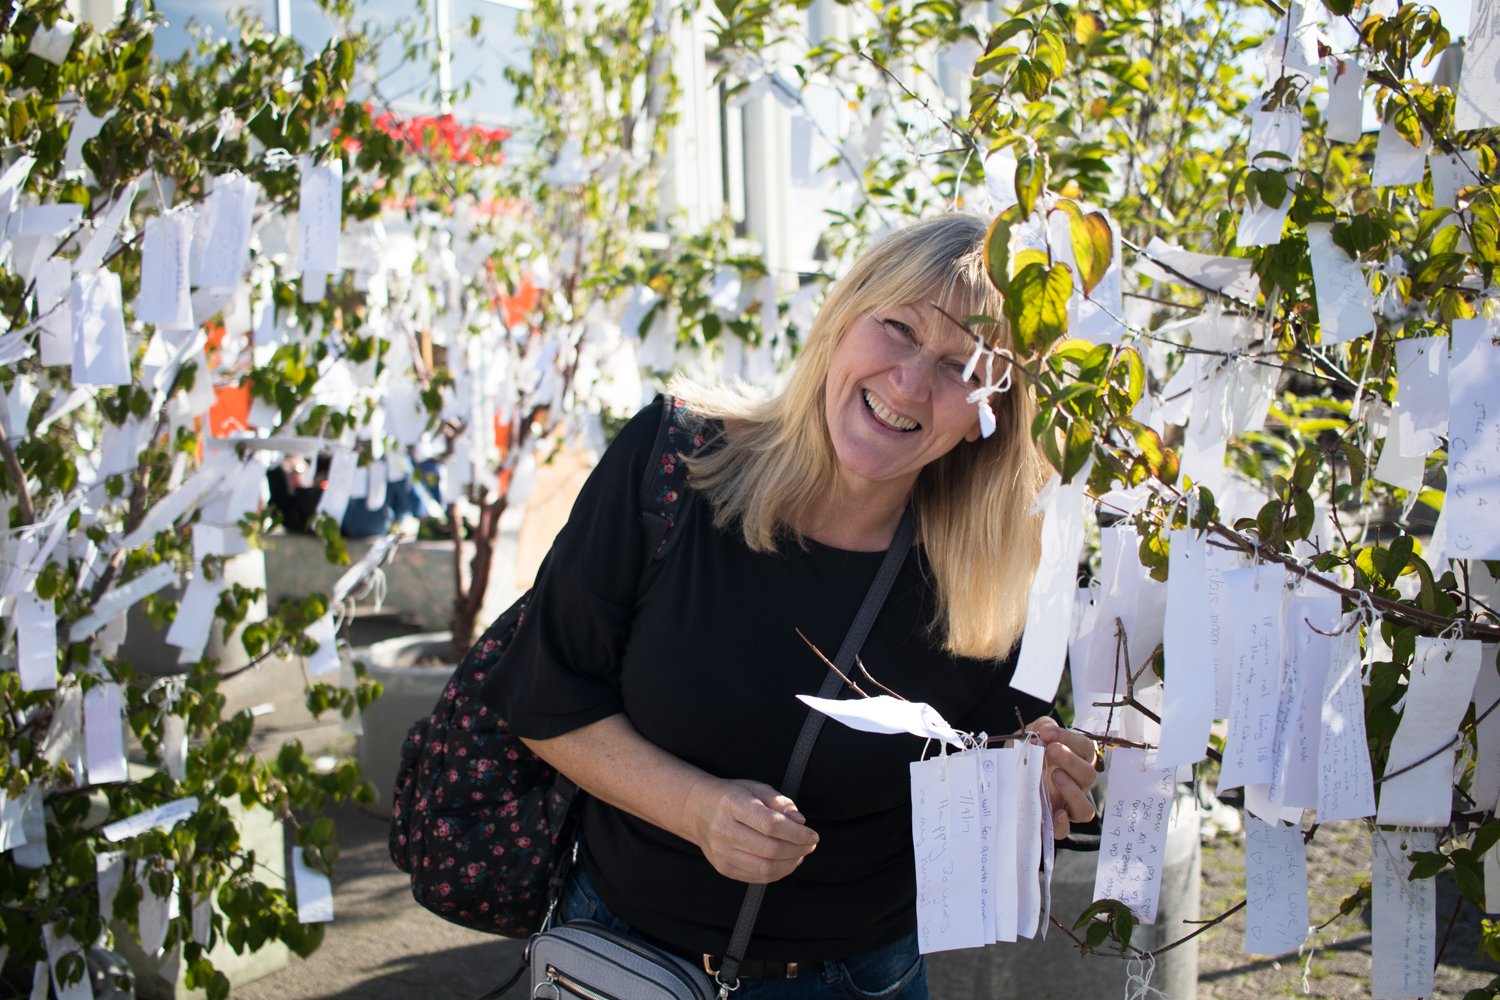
{"x":1135,"y":373}
{"x":1031,"y":175}
{"x":1052,"y":51}
{"x":1426,"y":864}
{"x":1086,"y":25}
{"x":1037,"y":306}
{"x":1033,"y":79}
{"x":1092,"y":241}
{"x":1077,"y":448}
{"x":1270,"y":187}
{"x":1487,"y":836}
{"x":997,"y":252}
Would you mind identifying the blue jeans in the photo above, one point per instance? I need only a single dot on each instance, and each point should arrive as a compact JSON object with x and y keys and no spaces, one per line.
{"x":894,"y":972}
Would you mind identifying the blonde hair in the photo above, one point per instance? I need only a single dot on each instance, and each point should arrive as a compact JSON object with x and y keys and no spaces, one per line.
{"x":973,"y":505}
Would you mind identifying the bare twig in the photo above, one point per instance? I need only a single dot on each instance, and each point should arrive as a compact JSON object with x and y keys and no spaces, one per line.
{"x":24,"y":506}
{"x":1442,"y":749}
{"x":829,"y":663}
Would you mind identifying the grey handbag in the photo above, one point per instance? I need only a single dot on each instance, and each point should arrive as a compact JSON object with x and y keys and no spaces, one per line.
{"x":588,"y":961}
{"x":584,"y":960}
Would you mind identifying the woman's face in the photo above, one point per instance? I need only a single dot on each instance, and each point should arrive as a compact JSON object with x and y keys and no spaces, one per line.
{"x":896,"y":395}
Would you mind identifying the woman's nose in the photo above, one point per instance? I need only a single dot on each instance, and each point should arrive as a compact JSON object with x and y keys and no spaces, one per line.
{"x":912,"y":376}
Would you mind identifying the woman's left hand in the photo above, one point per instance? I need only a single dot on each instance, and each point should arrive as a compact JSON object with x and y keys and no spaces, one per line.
{"x":1070,"y":772}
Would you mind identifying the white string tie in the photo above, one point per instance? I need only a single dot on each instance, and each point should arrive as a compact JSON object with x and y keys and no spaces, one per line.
{"x":1138,"y":973}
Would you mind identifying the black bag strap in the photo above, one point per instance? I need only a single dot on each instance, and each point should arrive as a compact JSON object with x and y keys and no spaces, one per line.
{"x":728,"y":974}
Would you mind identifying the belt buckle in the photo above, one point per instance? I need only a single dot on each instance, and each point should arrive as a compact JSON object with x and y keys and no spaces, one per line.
{"x":789,"y":970}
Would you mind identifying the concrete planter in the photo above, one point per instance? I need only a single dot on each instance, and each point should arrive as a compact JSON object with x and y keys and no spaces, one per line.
{"x":1043,"y":970}
{"x":159,"y":977}
{"x":410,"y":692}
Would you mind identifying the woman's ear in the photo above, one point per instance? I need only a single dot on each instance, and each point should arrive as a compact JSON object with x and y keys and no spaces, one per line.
{"x":973,"y":434}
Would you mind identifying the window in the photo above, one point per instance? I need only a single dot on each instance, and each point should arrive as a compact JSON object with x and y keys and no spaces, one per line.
{"x":310,"y":26}
{"x":211,"y":18}
{"x":479,"y":62}
{"x":409,"y":85}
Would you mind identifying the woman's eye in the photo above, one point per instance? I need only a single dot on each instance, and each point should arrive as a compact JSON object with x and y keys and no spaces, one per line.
{"x":955,"y":371}
{"x":900,"y":329}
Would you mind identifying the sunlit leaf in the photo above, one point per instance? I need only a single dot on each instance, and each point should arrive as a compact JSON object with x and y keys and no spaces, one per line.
{"x":1037,"y":306}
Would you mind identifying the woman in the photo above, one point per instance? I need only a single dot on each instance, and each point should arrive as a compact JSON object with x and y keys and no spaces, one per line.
{"x":674,"y":707}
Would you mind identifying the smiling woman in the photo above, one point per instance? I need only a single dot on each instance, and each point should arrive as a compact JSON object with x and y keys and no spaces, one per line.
{"x":672,"y":703}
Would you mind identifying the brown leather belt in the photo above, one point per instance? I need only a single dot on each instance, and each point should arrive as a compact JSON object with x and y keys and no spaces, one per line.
{"x":752,"y":968}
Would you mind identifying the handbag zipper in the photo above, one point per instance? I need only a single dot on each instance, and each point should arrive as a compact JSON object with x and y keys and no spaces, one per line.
{"x":559,"y":981}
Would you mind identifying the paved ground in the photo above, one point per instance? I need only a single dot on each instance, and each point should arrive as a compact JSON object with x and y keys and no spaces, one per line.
{"x":382,"y":945}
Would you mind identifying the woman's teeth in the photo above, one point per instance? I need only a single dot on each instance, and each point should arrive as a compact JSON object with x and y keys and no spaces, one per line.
{"x":885,"y":416}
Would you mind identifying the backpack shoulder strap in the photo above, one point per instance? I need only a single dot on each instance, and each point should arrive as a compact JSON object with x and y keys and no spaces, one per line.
{"x":665,"y":494}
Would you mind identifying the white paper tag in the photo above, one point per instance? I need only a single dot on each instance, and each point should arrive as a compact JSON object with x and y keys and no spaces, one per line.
{"x":165,"y":297}
{"x":1472,"y":508}
{"x":12,"y":832}
{"x":1437,"y":695}
{"x":1343,"y":295}
{"x":319,"y":212}
{"x":1346,"y":90}
{"x":325,"y":659}
{"x":1277,"y":133}
{"x":162,"y":817}
{"x":336,"y":494}
{"x":58,"y":945}
{"x":1255,"y":628}
{"x":1346,"y":784}
{"x":174,"y":746}
{"x":999,"y":775}
{"x":1486,"y":787}
{"x":53,"y":44}
{"x":54,"y":311}
{"x":946,"y":841}
{"x":1477,"y":104}
{"x":109,"y":866}
{"x":1402,"y":471}
{"x":1398,"y":162}
{"x":36,"y":639}
{"x":884,"y":714}
{"x":154,"y":911}
{"x":313,"y":889}
{"x":1188,"y":691}
{"x":196,"y":614}
{"x":104,"y":733}
{"x":1294,"y":774}
{"x":1049,"y":610}
{"x":203,"y":921}
{"x":1421,"y":409}
{"x":1276,"y":910}
{"x":119,"y":599}
{"x":1403,"y":922}
{"x":1261,"y":225}
{"x":100,"y":355}
{"x":32,"y":853}
{"x":1132,"y":848}
{"x":1028,"y":821}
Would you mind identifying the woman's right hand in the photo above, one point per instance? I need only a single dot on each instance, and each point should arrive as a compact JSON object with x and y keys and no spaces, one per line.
{"x":749,"y":831}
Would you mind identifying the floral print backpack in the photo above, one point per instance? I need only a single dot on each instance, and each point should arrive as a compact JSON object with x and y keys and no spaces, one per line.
{"x":478,"y":821}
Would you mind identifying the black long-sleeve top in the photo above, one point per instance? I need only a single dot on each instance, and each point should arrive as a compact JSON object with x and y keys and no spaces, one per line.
{"x":706,"y":664}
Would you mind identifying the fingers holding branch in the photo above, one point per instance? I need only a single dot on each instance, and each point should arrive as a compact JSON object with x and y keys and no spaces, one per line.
{"x":750,"y":832}
{"x":1069,"y":773}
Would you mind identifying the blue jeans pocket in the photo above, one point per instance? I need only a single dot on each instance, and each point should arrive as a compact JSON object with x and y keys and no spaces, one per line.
{"x":581,"y":902}
{"x":896,"y":970}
